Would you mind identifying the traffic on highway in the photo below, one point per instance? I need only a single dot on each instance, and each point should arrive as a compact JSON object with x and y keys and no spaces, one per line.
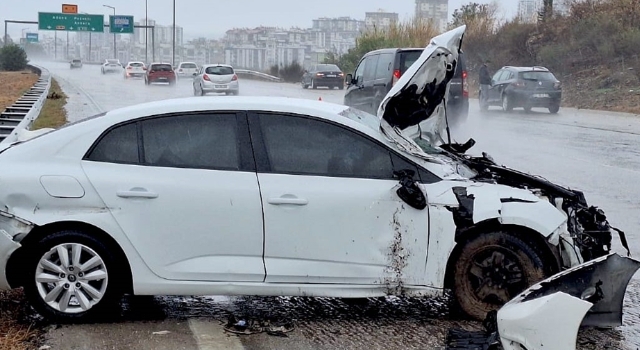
{"x":202,"y":205}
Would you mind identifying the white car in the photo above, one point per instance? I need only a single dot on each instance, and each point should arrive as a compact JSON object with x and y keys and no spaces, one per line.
{"x":111,"y":66}
{"x":280,"y":196}
{"x":186,"y":70}
{"x":218,"y":78}
{"x":135,"y":69}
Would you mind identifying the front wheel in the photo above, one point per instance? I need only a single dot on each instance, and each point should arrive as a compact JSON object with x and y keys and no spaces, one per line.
{"x":313,"y":84}
{"x":506,"y":103}
{"x":492,"y":269}
{"x":72,"y":276}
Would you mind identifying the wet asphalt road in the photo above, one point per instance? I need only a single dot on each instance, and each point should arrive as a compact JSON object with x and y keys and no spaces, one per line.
{"x":596,"y":152}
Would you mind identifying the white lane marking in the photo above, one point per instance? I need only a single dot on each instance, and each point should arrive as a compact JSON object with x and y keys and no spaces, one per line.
{"x":210,"y":335}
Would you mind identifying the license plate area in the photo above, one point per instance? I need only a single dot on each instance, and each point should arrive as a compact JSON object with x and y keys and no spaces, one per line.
{"x":220,"y":86}
{"x":331,"y":76}
{"x":540,"y":95}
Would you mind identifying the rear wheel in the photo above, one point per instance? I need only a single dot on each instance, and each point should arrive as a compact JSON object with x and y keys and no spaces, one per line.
{"x":313,"y":84}
{"x":341,"y":87}
{"x":492,"y":269}
{"x":554,"y":109}
{"x":72,"y":276}
{"x":527,"y":109}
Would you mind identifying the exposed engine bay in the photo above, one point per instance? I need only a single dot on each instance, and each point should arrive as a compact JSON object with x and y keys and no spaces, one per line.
{"x":588,"y":225}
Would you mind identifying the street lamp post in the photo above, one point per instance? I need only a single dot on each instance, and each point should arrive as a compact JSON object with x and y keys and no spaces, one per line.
{"x":146,"y":34}
{"x":173,"y":62}
{"x":115,"y":53}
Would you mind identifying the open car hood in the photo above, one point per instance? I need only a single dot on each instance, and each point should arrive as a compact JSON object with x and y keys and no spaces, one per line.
{"x":418,"y":99}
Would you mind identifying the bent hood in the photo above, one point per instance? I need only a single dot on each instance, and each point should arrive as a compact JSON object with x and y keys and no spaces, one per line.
{"x":418,"y":99}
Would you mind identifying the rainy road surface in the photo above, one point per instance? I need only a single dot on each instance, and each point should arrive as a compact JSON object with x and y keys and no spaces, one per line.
{"x":596,"y":152}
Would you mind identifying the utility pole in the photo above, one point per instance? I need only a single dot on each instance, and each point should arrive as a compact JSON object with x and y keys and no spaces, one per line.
{"x":173,"y":62}
{"x":115,"y":53}
{"x":146,"y":33}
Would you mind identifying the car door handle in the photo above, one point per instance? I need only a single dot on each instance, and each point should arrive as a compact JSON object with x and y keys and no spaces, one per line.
{"x":137,"y":192}
{"x":291,"y":200}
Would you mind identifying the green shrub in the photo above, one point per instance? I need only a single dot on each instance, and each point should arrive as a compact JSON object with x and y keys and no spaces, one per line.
{"x":13,"y":58}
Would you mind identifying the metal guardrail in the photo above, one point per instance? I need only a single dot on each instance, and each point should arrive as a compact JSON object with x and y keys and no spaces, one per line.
{"x":20,"y":115}
{"x":258,"y":74}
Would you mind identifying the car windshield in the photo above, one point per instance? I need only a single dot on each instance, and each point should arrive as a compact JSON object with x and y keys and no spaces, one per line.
{"x":136,"y":64}
{"x":112,"y":61}
{"x":328,"y":67}
{"x":188,"y":65}
{"x":162,"y":67}
{"x":76,"y":61}
{"x":219,"y":70}
{"x":539,"y":76}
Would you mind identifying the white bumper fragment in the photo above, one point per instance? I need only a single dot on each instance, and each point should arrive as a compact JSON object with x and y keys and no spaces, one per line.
{"x":549,"y":314}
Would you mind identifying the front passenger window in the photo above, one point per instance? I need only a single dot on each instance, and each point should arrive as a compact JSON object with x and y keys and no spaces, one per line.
{"x":359,"y":74}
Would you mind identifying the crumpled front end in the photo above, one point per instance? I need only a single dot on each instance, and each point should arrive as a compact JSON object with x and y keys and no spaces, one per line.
{"x":12,"y":230}
{"x":549,"y":314}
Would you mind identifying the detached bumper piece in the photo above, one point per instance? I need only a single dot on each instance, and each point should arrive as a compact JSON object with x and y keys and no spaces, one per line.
{"x":549,"y":314}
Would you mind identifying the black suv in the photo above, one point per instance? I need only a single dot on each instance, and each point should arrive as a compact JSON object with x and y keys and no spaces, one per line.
{"x":526,"y":87}
{"x":379,"y":70}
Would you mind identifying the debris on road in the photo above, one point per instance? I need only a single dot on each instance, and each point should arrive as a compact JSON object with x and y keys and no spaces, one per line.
{"x":161,"y":332}
{"x":246,"y":327}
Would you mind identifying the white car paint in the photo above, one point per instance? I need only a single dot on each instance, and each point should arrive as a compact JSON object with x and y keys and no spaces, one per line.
{"x":135,"y":68}
{"x":182,"y":71}
{"x":207,"y":80}
{"x":111,"y":65}
{"x":173,"y":247}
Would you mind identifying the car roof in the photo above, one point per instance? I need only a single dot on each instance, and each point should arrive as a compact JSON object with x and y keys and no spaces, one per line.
{"x":526,"y":69}
{"x":325,"y":110}
{"x":160,"y":63}
{"x":135,"y":62}
{"x":187,"y":62}
{"x":216,"y":65}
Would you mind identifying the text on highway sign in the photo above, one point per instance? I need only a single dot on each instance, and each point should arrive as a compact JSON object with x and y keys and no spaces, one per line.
{"x":70,"y":22}
{"x":121,"y":24}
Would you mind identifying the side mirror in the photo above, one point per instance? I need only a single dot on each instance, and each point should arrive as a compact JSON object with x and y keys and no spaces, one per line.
{"x":409,"y":190}
{"x":349,"y":79}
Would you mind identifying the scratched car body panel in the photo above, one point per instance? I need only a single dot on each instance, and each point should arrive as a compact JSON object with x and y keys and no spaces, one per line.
{"x":289,"y":197}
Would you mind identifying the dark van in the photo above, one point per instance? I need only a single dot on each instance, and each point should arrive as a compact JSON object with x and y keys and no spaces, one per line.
{"x":379,"y":70}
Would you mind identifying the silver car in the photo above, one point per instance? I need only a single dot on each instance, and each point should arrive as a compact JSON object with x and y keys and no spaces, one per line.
{"x":111,"y":66}
{"x":220,"y":78}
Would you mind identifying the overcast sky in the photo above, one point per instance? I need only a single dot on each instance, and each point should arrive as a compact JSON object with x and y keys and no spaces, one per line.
{"x":211,"y":18}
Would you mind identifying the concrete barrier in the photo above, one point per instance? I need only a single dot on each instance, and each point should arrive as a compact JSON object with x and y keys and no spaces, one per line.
{"x":20,"y":115}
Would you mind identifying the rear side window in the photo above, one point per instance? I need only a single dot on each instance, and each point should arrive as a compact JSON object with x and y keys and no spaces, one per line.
{"x":162,"y":67}
{"x":385,"y":66}
{"x":76,"y":61}
{"x":191,"y":141}
{"x":370,"y":69}
{"x":120,"y":145}
{"x":407,"y":58}
{"x":219,"y":70}
{"x":188,"y":65}
{"x":539,"y":76}
{"x":136,"y":64}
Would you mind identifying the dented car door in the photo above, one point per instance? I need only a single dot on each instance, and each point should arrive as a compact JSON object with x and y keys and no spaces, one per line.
{"x":331,"y":211}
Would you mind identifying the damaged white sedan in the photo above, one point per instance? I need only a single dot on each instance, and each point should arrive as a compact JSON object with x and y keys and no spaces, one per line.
{"x":278,"y":196}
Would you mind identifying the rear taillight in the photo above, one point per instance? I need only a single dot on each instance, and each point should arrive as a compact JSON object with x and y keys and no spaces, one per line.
{"x":557,"y":85}
{"x":341,"y":75}
{"x":235,"y":77}
{"x":396,"y":76}
{"x":319,"y":74}
{"x":144,"y":68}
{"x":180,"y":70}
{"x":206,"y":77}
{"x":465,"y":84}
{"x":128,"y":67}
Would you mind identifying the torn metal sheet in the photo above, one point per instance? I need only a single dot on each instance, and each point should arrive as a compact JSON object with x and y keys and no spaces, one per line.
{"x":549,"y":314}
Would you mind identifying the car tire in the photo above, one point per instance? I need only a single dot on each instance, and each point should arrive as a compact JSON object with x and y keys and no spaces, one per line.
{"x":485,"y":261}
{"x":506,"y":103}
{"x":527,"y":109}
{"x":554,"y":109}
{"x":46,"y":275}
{"x":313,"y":84}
{"x":202,"y":93}
{"x":341,"y":87}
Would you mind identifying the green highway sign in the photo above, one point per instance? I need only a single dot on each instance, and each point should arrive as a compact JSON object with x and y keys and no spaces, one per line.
{"x":121,"y":24}
{"x":70,"y":22}
{"x":32,"y":37}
